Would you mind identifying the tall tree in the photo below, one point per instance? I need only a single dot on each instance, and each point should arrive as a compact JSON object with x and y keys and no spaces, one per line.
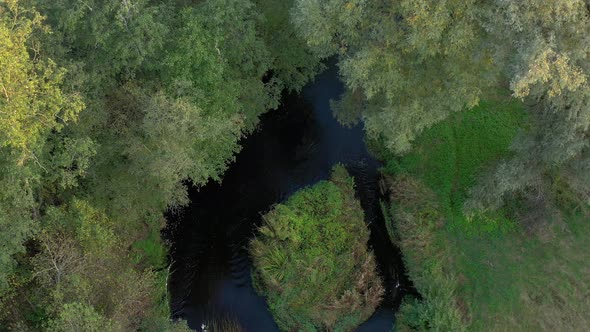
{"x":406,"y":64}
{"x":32,"y":105}
{"x":169,"y":88}
{"x":544,"y":49}
{"x":293,"y":64}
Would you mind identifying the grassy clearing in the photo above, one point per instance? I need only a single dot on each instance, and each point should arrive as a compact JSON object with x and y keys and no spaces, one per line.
{"x":150,"y":250}
{"x":448,"y":158}
{"x":504,"y":277}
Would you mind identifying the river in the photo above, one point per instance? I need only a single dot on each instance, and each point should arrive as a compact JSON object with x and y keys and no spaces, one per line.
{"x":295,"y":146}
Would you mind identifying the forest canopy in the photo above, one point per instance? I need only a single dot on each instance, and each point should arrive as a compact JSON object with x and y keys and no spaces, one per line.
{"x":409,"y":64}
{"x":107,"y":108}
{"x":111,"y":109}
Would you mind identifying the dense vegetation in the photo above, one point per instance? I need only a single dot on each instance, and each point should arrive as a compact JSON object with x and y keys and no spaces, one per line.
{"x":410,"y":64}
{"x":489,"y":202}
{"x":106,"y":108}
{"x":109,"y":109}
{"x":312,"y":262}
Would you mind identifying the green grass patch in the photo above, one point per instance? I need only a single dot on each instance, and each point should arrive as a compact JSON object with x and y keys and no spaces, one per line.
{"x":150,"y":251}
{"x":504,"y":277}
{"x":449,"y":157}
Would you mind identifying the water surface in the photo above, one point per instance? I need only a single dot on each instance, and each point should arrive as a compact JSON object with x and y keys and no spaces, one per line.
{"x":295,"y":146}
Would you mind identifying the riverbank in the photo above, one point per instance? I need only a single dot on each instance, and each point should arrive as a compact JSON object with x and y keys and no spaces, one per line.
{"x":508,"y":270}
{"x":294,"y":147}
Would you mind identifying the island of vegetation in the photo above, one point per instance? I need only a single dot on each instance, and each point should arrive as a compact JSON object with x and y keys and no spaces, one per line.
{"x":312,"y":262}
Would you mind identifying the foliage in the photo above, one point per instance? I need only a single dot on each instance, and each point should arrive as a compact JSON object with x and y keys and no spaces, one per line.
{"x":32,"y":105}
{"x":31,"y":100}
{"x":417,"y":221}
{"x":16,"y":208}
{"x":409,"y":64}
{"x":449,"y":157}
{"x":406,"y":64}
{"x":312,"y":262}
{"x":108,"y":110}
{"x":104,"y":42}
{"x":80,"y":259}
{"x":76,"y":317}
{"x":294,"y":64}
{"x":548,"y":52}
{"x":232,"y":54}
{"x":427,"y":198}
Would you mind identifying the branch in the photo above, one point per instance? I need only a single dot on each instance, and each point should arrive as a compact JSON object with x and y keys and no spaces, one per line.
{"x":85,"y":4}
{"x":5,"y":92}
{"x":52,"y":259}
{"x":37,"y":161}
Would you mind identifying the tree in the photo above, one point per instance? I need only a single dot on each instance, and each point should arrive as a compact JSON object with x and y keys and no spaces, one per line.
{"x":80,"y":259}
{"x":104,"y":42}
{"x":406,"y":64}
{"x":409,"y":64}
{"x":546,"y":58}
{"x":32,"y":105}
{"x":76,"y":317}
{"x":294,"y":65}
{"x":168,"y":90}
{"x":31,"y":100}
{"x":220,"y":38}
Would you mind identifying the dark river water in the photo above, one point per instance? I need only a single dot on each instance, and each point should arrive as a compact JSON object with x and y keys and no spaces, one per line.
{"x":295,"y":146}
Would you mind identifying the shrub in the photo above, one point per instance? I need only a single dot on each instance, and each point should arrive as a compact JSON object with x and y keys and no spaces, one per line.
{"x":312,"y":262}
{"x":418,"y":223}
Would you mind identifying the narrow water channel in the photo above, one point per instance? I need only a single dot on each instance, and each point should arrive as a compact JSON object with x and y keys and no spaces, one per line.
{"x":296,"y":146}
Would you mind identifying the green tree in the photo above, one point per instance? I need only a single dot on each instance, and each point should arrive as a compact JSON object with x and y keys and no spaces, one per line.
{"x":409,"y":64}
{"x":75,"y":317}
{"x":545,"y":56}
{"x":406,"y":64}
{"x":293,"y":63}
{"x":219,"y":38}
{"x":31,"y":100}
{"x":32,"y":105}
{"x":105,"y":42}
{"x":169,"y":88}
{"x":81,"y":260}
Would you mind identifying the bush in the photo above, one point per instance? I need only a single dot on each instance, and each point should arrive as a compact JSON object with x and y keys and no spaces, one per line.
{"x":312,"y":262}
{"x":79,"y":317}
{"x":80,"y":260}
{"x":417,"y":231}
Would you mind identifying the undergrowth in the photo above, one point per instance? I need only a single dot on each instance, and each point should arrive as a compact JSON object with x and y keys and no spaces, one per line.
{"x":489,"y":272}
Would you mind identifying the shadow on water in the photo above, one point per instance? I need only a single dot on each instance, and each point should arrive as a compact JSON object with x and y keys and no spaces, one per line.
{"x":295,"y":146}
